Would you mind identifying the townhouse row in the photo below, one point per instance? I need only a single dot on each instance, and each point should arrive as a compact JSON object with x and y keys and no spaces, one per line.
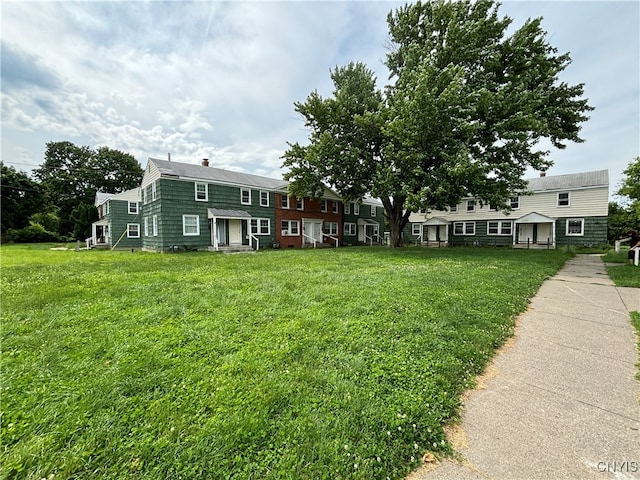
{"x":180,"y":205}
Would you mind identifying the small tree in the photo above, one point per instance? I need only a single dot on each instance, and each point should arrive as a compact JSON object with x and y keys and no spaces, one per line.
{"x":464,"y":114}
{"x":20,"y":197}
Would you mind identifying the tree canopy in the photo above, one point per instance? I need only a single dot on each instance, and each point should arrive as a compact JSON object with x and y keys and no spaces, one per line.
{"x":463,"y":115}
{"x":73,"y":174}
{"x":20,"y":197}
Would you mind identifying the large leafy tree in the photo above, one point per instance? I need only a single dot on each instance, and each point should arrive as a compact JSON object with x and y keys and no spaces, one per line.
{"x":626,"y":216}
{"x":73,"y":174}
{"x":20,"y":198}
{"x":466,"y":109}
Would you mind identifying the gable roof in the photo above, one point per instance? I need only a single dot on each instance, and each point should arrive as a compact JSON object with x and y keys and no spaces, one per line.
{"x":217,"y":175}
{"x":598,"y":178}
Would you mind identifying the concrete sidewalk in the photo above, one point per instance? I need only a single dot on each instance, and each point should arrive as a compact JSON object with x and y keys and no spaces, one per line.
{"x":562,"y":400}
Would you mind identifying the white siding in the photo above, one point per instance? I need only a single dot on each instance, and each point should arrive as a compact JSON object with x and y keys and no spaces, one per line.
{"x":151,"y":174}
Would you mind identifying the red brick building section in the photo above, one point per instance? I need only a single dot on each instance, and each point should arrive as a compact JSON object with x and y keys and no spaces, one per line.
{"x":299,"y":221}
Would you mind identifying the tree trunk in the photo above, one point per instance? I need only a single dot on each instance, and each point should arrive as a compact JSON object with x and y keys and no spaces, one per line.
{"x":397,"y":218}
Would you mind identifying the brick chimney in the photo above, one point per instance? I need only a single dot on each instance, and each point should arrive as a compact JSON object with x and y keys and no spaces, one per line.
{"x":543,"y":173}
{"x":205,"y":162}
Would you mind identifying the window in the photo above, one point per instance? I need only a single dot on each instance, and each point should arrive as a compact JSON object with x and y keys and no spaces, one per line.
{"x":202,"y":193}
{"x":264,"y":199}
{"x":330,"y":228}
{"x":323,"y":205}
{"x":373,"y":211}
{"x":334,"y":208}
{"x":575,"y":227}
{"x":190,"y":225}
{"x":300,"y":203}
{"x":133,"y":230}
{"x":245,"y":196}
{"x":154,"y":225}
{"x":146,"y":227}
{"x":107,"y":207}
{"x":416,"y":229}
{"x":153,"y":191}
{"x":464,"y":228}
{"x":144,"y":196}
{"x":347,"y":208}
{"x":471,"y":205}
{"x":563,"y":199}
{"x":349,"y":228}
{"x":356,"y":209}
{"x":284,"y":202}
{"x":515,"y":203}
{"x":260,"y":226}
{"x":133,"y":208}
{"x":290,"y":228}
{"x":453,"y":208}
{"x":499,"y":228}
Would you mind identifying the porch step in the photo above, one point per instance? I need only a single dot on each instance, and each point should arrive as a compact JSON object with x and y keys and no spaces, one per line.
{"x":234,"y":249}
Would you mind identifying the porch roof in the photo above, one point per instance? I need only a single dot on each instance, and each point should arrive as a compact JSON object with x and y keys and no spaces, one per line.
{"x":436,"y":221}
{"x":366,"y":221}
{"x":534,"y":217}
{"x":227,"y":213}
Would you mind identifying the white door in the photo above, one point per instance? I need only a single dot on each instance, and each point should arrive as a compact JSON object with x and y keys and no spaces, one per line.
{"x":525,"y":232}
{"x":544,"y":233}
{"x":235,"y":232}
{"x":312,"y":229}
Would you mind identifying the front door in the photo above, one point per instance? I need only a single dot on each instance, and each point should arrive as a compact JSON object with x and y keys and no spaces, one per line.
{"x":313,"y":229}
{"x":525,"y":233}
{"x":235,"y":232}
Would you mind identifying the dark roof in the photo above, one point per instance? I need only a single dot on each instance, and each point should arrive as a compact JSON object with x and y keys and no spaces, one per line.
{"x":213,"y":174}
{"x":599,"y":178}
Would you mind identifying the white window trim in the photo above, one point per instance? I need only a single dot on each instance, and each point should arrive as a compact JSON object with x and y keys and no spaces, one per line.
{"x":146,"y":226}
{"x":416,"y":231}
{"x":242,"y":191}
{"x":129,"y":225}
{"x":356,"y":209}
{"x":453,"y":208}
{"x":154,"y":225}
{"x":330,"y":228}
{"x":258,"y":226}
{"x":347,"y":208}
{"x":472,"y":204}
{"x":288,"y":202}
{"x":153,"y":191}
{"x":464,"y":228}
{"x":500,"y":225}
{"x":517,"y":202}
{"x":206,"y":192}
{"x":288,"y":230}
{"x":568,"y":200}
{"x":581,"y":234}
{"x":301,"y":200}
{"x":144,"y":196}
{"x":324,"y":207}
{"x":349,"y":228}
{"x":262,"y":194}
{"x":131,"y":204}
{"x":373,"y":211}
{"x":184,"y":225}
{"x":334,"y":207}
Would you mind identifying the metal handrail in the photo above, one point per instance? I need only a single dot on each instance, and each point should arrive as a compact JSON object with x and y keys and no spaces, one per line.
{"x":251,"y":235}
{"x":335,"y":239}
{"x":304,"y":235}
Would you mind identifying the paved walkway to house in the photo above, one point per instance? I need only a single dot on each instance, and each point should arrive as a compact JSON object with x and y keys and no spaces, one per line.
{"x":560,"y":400}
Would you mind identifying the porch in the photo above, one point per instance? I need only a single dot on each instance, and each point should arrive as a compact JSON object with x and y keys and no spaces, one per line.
{"x":534,"y":231}
{"x":368,"y":232}
{"x":435,"y":233}
{"x":231,"y":230}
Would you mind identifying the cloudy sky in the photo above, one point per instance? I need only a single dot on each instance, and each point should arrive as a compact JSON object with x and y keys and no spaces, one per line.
{"x":218,"y":80}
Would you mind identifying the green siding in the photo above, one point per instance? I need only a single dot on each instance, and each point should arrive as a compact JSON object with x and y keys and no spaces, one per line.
{"x":119,"y":217}
{"x":175,"y":198}
{"x":365,"y":213}
{"x":595,"y":232}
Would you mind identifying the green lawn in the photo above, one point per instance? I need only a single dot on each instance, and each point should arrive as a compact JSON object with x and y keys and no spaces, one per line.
{"x":282,"y":364}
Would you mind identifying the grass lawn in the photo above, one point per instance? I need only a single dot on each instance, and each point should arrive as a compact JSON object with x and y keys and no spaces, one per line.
{"x":282,"y":364}
{"x":624,"y":274}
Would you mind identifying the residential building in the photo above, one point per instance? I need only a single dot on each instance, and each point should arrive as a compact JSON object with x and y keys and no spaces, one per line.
{"x":555,"y":210}
{"x":119,"y":220}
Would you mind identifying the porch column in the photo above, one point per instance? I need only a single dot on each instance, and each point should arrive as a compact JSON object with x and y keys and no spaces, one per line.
{"x":214,"y":234}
